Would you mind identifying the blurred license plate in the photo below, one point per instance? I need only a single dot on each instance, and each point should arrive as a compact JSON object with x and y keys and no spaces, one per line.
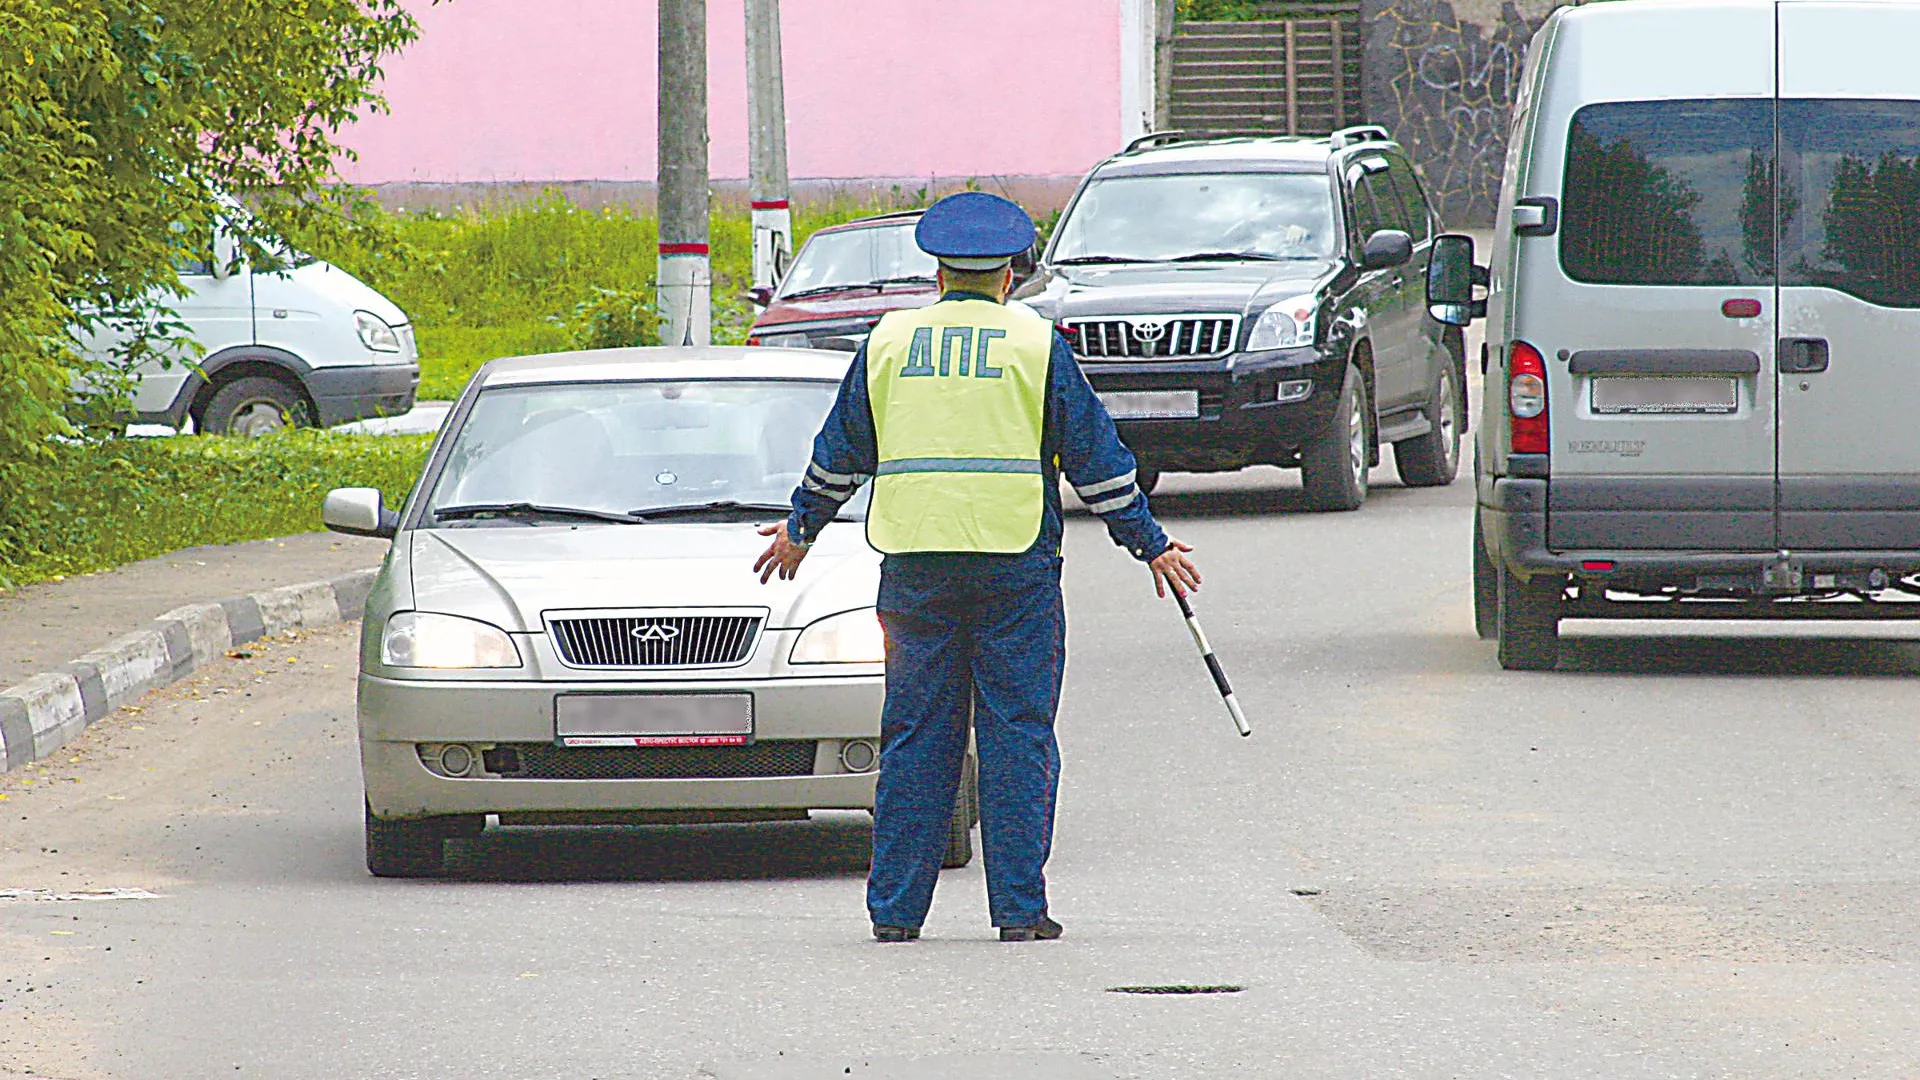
{"x":1151,"y":404}
{"x":1665,"y":395}
{"x":653,"y":719}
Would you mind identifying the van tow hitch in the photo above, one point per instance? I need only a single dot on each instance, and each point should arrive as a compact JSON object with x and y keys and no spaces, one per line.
{"x":1781,"y":577}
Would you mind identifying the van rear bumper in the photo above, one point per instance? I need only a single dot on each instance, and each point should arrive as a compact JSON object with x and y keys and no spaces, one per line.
{"x":1513,"y":514}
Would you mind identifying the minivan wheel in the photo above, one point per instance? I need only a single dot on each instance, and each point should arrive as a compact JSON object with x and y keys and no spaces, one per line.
{"x":252,"y":406}
{"x":966,"y":811}
{"x":1333,"y":467}
{"x":1530,"y":621}
{"x":1486,"y":586}
{"x":414,"y":848}
{"x":1433,"y":459}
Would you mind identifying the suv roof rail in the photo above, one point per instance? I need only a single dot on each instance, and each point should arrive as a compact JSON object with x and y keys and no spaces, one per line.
{"x":1155,"y":138}
{"x":1359,"y":133}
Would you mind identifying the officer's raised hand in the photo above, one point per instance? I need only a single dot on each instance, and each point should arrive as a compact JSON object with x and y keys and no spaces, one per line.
{"x":1172,"y":568}
{"x":784,"y":555}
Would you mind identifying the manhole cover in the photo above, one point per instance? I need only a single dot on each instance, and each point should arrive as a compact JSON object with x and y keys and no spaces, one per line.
{"x":1179,"y":988}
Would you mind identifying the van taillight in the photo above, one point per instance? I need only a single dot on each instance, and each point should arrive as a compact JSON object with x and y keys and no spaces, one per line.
{"x":1527,"y":399}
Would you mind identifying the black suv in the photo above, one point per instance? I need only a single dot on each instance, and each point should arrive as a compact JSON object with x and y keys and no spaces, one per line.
{"x":1254,"y":301}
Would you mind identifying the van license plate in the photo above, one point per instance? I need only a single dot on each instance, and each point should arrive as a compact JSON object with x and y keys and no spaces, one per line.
{"x":653,"y":719}
{"x":1152,"y":404}
{"x":1665,"y":395}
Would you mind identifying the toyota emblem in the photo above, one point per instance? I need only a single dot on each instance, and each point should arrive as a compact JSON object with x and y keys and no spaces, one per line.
{"x":661,"y":632}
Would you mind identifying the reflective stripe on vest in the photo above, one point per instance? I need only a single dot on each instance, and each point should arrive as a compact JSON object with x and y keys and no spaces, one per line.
{"x":959,"y":393}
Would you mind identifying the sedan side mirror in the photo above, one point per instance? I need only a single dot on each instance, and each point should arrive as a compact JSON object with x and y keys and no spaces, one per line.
{"x":1451,"y":278}
{"x":1386,"y":249}
{"x":359,"y":512}
{"x":759,"y":295}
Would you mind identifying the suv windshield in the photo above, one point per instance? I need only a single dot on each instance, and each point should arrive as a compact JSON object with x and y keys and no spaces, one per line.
{"x":856,"y":257}
{"x":1162,"y":218}
{"x":612,"y":450}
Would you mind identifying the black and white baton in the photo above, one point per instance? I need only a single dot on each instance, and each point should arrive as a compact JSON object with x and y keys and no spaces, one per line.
{"x":1213,"y":665}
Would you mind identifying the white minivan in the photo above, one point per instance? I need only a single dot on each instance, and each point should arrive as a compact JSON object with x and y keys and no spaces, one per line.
{"x":1703,"y":320}
{"x":300,"y":342}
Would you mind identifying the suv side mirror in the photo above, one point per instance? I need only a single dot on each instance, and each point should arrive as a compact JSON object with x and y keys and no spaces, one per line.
{"x":1386,"y":249}
{"x":1451,"y":277}
{"x":759,"y":295}
{"x":225,"y":251}
{"x":1025,"y":263}
{"x":359,"y":512}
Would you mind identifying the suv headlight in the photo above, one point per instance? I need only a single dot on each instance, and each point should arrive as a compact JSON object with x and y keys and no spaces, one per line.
{"x":374,"y":332}
{"x":1285,"y":325}
{"x":423,"y":639}
{"x":851,"y":637}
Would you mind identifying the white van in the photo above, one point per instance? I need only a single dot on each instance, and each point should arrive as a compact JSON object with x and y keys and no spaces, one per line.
{"x":305,"y":342}
{"x":1703,"y":317}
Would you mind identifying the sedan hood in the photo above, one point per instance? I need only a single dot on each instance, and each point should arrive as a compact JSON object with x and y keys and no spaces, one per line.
{"x":1069,"y":292}
{"x":509,"y":575}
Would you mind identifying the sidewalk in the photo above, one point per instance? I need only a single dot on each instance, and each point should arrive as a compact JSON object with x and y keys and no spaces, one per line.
{"x":46,"y":626}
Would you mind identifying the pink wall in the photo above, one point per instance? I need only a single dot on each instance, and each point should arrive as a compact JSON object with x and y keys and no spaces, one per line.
{"x":519,"y":90}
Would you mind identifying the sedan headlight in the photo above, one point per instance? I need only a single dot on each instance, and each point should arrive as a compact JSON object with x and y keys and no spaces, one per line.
{"x":423,"y":639}
{"x":374,"y":332}
{"x":1285,"y":325}
{"x":851,"y":637}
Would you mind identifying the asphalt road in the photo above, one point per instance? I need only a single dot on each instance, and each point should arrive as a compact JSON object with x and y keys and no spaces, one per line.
{"x":1692,"y":853}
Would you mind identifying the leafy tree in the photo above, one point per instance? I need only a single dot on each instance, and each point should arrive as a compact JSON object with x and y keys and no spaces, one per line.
{"x":121,"y":123}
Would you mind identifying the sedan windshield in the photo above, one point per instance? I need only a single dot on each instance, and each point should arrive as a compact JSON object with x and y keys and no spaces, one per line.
{"x":854,"y":257}
{"x":1200,"y":217}
{"x":583,"y":453}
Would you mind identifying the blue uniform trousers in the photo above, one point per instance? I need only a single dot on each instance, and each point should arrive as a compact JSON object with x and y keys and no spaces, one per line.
{"x":968,"y":634}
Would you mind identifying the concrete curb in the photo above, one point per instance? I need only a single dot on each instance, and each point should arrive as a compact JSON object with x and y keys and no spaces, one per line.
{"x":48,"y":710}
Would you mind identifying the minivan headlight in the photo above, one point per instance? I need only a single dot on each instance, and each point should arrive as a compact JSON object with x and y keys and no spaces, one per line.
{"x":1285,"y":325}
{"x":851,"y":637}
{"x":374,"y":332}
{"x":423,"y":639}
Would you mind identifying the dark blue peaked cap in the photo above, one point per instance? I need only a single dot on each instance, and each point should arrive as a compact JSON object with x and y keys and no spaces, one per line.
{"x":974,"y":227}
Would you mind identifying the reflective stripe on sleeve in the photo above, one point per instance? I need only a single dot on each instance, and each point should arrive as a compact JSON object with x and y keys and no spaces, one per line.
{"x":1092,"y":491}
{"x":1117,"y":502}
{"x":957,"y":465}
{"x":826,"y":477}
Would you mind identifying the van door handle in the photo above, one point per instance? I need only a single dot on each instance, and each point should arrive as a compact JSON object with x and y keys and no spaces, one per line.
{"x":1803,"y":356}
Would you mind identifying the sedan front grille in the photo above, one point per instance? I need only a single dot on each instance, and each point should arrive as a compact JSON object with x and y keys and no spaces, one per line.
{"x":642,"y":640}
{"x":545,"y":761}
{"x":1153,"y":337}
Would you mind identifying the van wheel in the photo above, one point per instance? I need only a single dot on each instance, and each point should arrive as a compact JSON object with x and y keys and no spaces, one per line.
{"x":1486,"y":586}
{"x":1530,"y":621}
{"x":1334,"y":465}
{"x":1433,"y":459}
{"x":253,"y":406}
{"x":966,"y":811}
{"x":414,"y":848}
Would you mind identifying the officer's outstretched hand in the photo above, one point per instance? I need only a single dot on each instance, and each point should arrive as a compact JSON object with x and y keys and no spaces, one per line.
{"x":783,"y":554}
{"x":1172,"y":568}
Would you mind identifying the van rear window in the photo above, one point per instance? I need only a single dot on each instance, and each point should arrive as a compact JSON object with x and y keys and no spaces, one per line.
{"x":1669,"y":193}
{"x":1850,"y":206}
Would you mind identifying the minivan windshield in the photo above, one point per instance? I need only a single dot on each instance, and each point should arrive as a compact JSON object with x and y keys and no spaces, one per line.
{"x":855,"y":257}
{"x":1199,"y":215}
{"x":719,"y":449}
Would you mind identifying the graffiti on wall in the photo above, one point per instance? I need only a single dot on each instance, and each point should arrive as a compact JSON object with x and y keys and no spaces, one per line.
{"x":1442,"y":77}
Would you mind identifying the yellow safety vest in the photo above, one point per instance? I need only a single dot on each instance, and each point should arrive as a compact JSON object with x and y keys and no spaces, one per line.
{"x":959,"y":393}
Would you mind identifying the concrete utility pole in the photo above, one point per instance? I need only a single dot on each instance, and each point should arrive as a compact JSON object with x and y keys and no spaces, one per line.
{"x":686,"y":271}
{"x":1163,"y":27}
{"x":767,"y":143}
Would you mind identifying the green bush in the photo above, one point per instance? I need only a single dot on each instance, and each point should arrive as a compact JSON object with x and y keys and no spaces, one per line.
{"x":613,"y":319}
{"x":92,"y":506}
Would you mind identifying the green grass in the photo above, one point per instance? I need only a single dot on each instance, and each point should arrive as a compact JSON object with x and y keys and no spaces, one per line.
{"x":99,"y":505}
{"x":524,"y":277}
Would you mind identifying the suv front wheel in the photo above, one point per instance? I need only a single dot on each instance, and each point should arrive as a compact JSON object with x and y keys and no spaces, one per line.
{"x":1433,"y":459}
{"x":1333,"y":467}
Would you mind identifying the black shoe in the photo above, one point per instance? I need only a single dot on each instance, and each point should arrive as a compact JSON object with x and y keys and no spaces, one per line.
{"x":1044,"y":930}
{"x":890,"y":934}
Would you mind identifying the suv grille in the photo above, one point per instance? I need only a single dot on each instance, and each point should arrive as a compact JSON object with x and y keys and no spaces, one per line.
{"x":1144,"y":337}
{"x":545,"y":761}
{"x":654,"y":641}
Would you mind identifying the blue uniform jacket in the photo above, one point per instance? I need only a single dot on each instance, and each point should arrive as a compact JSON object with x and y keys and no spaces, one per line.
{"x":1078,"y":435}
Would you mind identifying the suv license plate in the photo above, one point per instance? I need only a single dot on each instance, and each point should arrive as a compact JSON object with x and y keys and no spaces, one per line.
{"x":653,"y":719}
{"x":1665,"y":395}
{"x":1152,"y":404}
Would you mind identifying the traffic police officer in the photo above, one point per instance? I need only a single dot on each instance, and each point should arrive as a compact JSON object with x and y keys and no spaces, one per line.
{"x":963,"y":414}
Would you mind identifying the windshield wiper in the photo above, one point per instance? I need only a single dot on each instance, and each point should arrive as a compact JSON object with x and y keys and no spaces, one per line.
{"x":1085,"y":260}
{"x":1222,"y":256}
{"x":821,"y":290}
{"x":910,"y":279}
{"x":718,"y":506}
{"x":531,"y":510}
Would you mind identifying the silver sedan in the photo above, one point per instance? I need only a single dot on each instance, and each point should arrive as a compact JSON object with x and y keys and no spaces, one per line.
{"x":566,"y":630}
